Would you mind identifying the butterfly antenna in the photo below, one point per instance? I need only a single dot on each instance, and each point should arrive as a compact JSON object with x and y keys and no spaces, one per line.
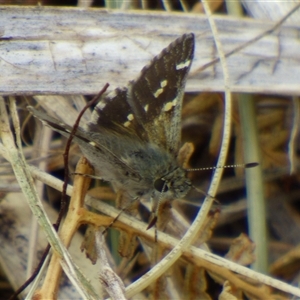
{"x":246,"y":166}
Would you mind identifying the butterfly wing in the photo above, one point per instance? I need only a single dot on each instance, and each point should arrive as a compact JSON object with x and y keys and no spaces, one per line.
{"x":150,"y":108}
{"x":147,"y":111}
{"x":113,"y":114}
{"x":156,"y":96}
{"x":96,"y":149}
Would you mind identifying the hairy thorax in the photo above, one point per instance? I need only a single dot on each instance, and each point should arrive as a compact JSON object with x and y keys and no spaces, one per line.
{"x":160,"y":173}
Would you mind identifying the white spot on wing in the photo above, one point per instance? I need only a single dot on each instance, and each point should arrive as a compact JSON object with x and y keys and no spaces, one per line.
{"x":130,"y":117}
{"x":101,"y":105}
{"x":164,"y":83}
{"x":160,"y":90}
{"x":169,"y":105}
{"x":92,"y":144}
{"x":113,"y":93}
{"x":146,"y":107}
{"x":183,"y":65}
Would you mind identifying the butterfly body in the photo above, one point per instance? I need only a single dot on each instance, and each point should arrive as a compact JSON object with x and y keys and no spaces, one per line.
{"x":146,"y":164}
{"x":134,"y":135}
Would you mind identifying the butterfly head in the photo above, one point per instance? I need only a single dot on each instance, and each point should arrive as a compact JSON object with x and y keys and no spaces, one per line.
{"x":174,"y":184}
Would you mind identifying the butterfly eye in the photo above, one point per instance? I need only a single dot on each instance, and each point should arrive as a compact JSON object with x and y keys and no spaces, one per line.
{"x":160,"y":185}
